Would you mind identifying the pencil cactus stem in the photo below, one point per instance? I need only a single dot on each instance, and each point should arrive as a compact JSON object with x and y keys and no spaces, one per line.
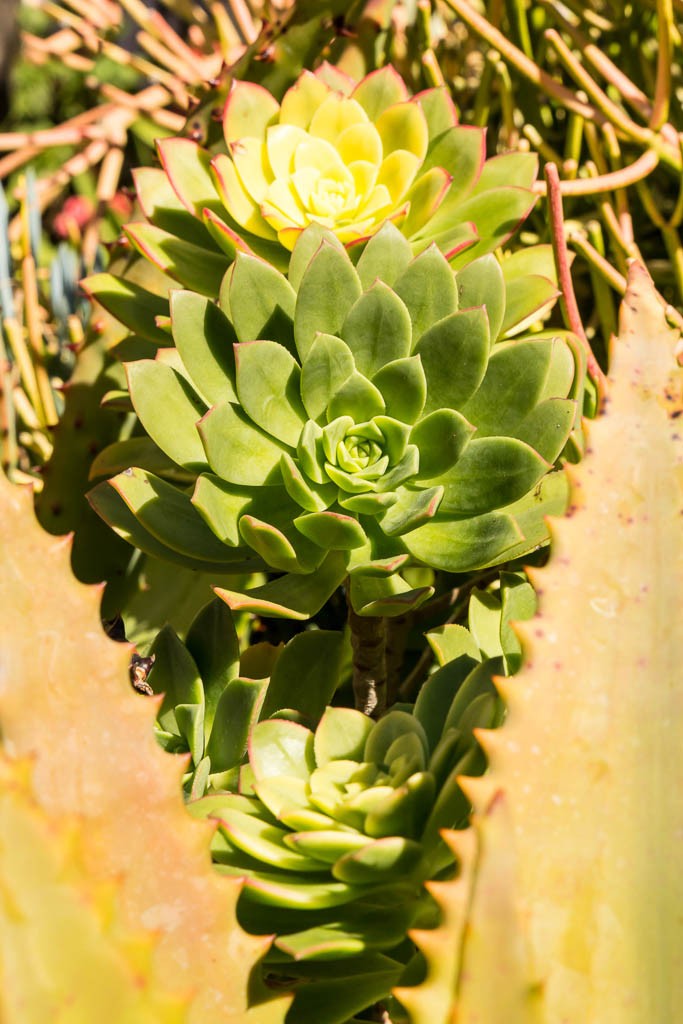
{"x":635,"y":172}
{"x":665,"y":31}
{"x":522,"y":63}
{"x":568,"y":302}
{"x":609,"y":109}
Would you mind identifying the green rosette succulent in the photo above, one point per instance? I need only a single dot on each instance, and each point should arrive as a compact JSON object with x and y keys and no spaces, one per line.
{"x":351,"y":420}
{"x":342,"y":155}
{"x":332,"y":820}
{"x":336,"y":829}
{"x":213,"y":695}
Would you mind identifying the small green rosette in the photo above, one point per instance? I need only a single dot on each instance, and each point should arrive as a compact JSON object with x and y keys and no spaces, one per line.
{"x":333,"y":820}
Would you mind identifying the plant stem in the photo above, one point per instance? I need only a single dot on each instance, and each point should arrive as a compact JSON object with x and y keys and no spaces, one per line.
{"x":601,"y":111}
{"x":598,"y":262}
{"x":630,"y":175}
{"x":369,"y":664}
{"x":611,"y":111}
{"x":665,"y":29}
{"x":9,"y":451}
{"x":592,"y":53}
{"x":604,"y":301}
{"x":568,"y":304}
{"x":396,"y":634}
{"x":521,"y":62}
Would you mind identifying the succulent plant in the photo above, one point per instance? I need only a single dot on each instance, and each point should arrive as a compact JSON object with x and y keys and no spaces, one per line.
{"x":366,"y":418}
{"x":491,"y":614}
{"x":335,"y":829}
{"x":489,"y":632}
{"x":103,"y":855}
{"x":213,"y":697}
{"x":332,"y":820}
{"x":342,"y":155}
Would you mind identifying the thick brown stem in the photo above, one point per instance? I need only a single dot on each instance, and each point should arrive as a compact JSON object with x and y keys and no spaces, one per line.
{"x":369,"y":666}
{"x":396,"y":634}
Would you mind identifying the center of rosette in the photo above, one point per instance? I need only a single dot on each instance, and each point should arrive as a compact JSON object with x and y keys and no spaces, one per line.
{"x":358,"y":456}
{"x":355,"y":453}
{"x":331,"y":196}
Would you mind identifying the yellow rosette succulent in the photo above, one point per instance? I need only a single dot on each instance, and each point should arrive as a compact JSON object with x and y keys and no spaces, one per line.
{"x":343,"y":159}
{"x":348,"y":157}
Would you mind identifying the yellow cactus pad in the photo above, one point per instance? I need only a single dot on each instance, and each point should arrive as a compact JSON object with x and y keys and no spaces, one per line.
{"x":97,"y":775}
{"x":576,"y":908}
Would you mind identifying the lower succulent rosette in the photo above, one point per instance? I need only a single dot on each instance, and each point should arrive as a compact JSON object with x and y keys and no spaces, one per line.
{"x":336,"y":829}
{"x":351,"y":420}
{"x":332,"y":820}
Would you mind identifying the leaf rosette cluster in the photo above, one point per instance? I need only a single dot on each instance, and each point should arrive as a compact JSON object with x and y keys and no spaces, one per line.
{"x":342,"y":155}
{"x":213,"y":695}
{"x":347,"y":156}
{"x":336,"y":828}
{"x":352,"y":419}
{"x":332,"y":820}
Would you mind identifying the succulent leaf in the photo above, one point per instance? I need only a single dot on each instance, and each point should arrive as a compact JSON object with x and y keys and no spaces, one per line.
{"x":429,"y":291}
{"x":482,"y":283}
{"x":168,"y":514}
{"x":204,"y":338}
{"x":162,"y":207}
{"x":193,"y":266}
{"x":168,"y":409}
{"x":454,"y":354}
{"x":261,"y":301}
{"x":130,"y":303}
{"x":328,"y":289}
{"x":291,"y":596}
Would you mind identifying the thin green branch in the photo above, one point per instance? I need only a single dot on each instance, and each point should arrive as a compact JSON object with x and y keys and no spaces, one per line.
{"x":601,"y":63}
{"x":665,"y":29}
{"x":8,"y":434}
{"x":522,"y":63}
{"x":610,"y":110}
{"x":610,"y":274}
{"x":601,"y":111}
{"x":604,"y":300}
{"x":518,"y":18}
